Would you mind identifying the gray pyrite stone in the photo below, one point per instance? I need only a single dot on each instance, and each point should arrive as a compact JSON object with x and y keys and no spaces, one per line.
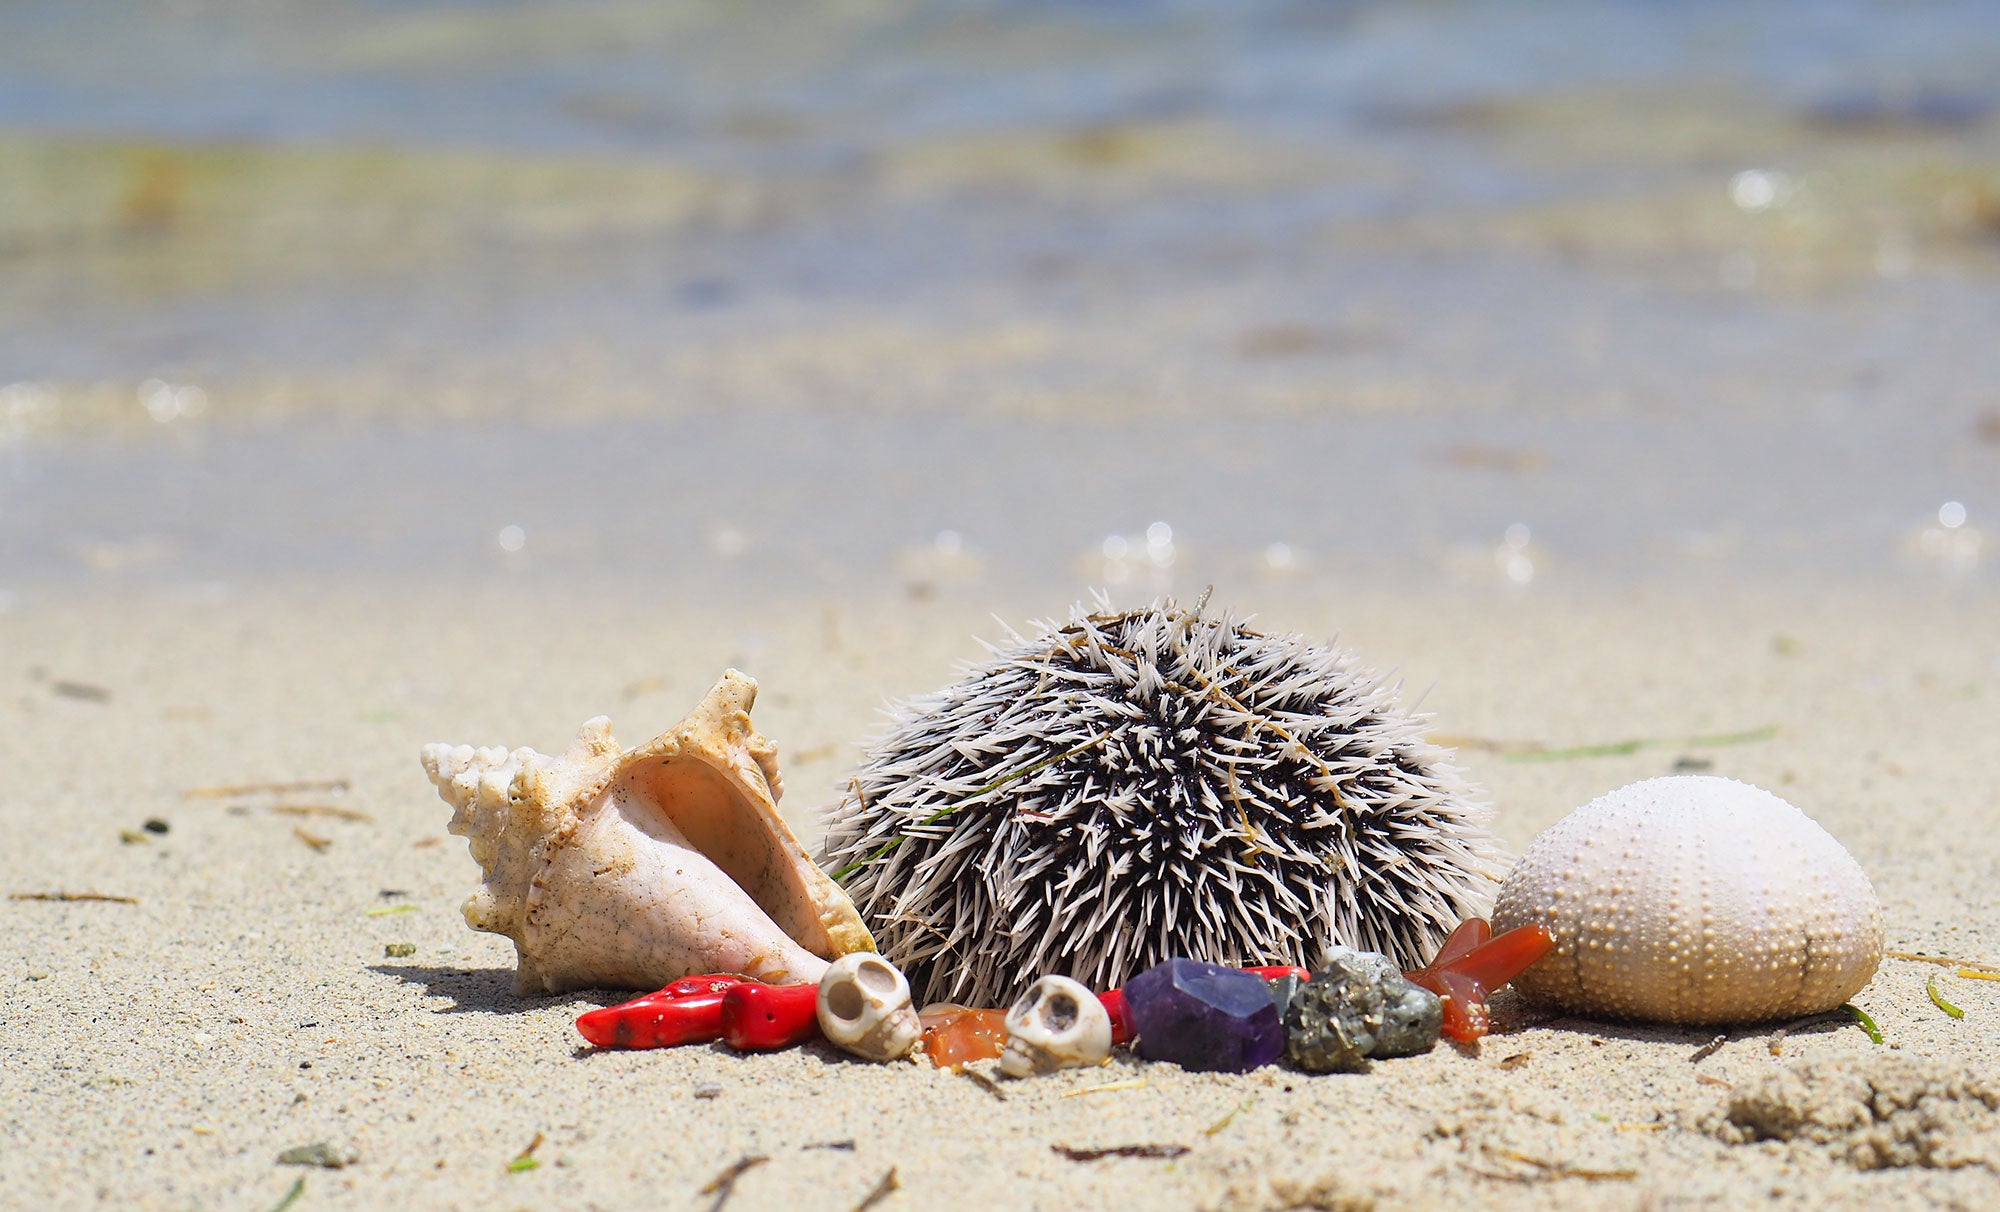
{"x":1356,"y":1008}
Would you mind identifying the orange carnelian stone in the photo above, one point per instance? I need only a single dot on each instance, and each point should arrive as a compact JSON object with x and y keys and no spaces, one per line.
{"x":1471,"y":964}
{"x":954,"y":1035}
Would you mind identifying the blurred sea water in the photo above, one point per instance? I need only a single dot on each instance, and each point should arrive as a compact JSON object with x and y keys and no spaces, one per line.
{"x":965,"y":294}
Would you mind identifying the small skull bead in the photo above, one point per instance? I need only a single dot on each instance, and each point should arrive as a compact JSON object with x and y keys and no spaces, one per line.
{"x":1056,"y":1024}
{"x":864,"y":1006}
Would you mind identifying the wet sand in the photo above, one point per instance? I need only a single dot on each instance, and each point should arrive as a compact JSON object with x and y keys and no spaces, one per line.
{"x":164,"y":1053}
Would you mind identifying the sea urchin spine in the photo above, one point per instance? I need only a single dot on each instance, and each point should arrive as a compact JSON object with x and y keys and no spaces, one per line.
{"x":1130,"y":787}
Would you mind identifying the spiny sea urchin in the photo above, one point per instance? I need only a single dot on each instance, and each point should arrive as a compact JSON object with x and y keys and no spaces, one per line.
{"x":1128,"y":787}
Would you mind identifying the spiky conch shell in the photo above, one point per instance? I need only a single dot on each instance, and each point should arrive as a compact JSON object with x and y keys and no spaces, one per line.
{"x":1125,"y":788}
{"x":631,"y":868}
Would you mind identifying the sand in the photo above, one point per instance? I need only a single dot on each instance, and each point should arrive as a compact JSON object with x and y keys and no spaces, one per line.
{"x":165,"y":1053}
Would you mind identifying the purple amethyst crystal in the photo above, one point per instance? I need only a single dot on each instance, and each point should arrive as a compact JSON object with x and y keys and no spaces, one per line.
{"x":1204,"y":1016}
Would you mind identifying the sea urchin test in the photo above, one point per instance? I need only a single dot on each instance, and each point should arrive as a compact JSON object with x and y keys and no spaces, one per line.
{"x":1693,"y":899}
{"x":631,"y":868}
{"x":1127,"y":788}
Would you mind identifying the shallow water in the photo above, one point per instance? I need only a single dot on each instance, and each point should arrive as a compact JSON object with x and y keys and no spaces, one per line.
{"x":843,"y":502}
{"x":972,"y":293}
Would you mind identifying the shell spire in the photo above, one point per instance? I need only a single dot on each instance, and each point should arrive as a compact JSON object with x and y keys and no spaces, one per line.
{"x":508,"y":805}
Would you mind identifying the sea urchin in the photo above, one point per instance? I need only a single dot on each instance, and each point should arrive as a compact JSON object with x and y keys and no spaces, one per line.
{"x":1128,"y":787}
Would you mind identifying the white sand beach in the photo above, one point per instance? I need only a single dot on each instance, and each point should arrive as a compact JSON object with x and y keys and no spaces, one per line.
{"x":164,"y":1053}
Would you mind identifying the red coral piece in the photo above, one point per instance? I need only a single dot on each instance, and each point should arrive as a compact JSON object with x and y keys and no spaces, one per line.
{"x":764,"y":1018}
{"x":686,"y":1012}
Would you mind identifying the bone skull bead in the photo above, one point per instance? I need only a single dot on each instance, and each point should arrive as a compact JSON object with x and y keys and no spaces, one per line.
{"x":1056,"y":1024}
{"x":864,"y":1006}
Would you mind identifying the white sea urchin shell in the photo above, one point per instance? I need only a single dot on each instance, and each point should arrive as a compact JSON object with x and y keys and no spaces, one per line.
{"x":1693,"y":899}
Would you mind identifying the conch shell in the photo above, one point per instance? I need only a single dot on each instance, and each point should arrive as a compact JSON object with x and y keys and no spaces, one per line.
{"x":631,"y":868}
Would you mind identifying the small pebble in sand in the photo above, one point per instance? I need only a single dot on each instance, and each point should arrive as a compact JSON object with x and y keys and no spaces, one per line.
{"x":324,"y":1154}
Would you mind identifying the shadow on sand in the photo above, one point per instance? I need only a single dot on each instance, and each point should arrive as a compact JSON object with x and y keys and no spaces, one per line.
{"x":484,"y":990}
{"x":1512,"y":1014}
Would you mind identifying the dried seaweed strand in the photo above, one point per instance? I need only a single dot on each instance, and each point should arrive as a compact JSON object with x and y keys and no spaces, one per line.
{"x":723,"y":1185}
{"x":1708,"y":1049}
{"x":1937,"y":999}
{"x":390,"y":910}
{"x":889,"y":1185}
{"x":1942,"y":961}
{"x":1861,"y":1016}
{"x":1973,"y":974}
{"x":332,"y":810}
{"x":1156,"y":1152}
{"x":1224,"y":1122}
{"x":1562,"y":1169}
{"x":229,"y":791}
{"x":984,"y":1083}
{"x":311,"y":839}
{"x":72,"y":896}
{"x":1134,"y":1084}
{"x":1536,"y":751}
{"x":291,"y":1196}
{"x":1635,"y":744}
{"x":525,"y":1159}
